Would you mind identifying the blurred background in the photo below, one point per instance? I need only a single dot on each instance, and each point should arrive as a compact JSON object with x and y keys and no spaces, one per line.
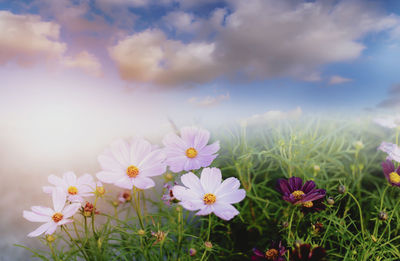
{"x":77,"y":74}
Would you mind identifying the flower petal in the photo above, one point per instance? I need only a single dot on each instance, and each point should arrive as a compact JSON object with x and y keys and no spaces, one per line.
{"x":192,"y":205}
{"x":229,"y":185}
{"x":225,"y":211}
{"x":188,"y":135}
{"x":209,"y":149}
{"x":70,"y":210}
{"x":192,"y":182}
{"x":52,"y":228}
{"x":143,"y":182}
{"x":109,"y":176}
{"x":201,"y":139}
{"x":172,"y":140}
{"x":124,"y":182}
{"x":69,"y":178}
{"x":59,"y":198}
{"x":139,"y":149}
{"x":210,"y":179}
{"x":40,"y":230}
{"x":295,"y":183}
{"x":109,"y":163}
{"x":184,"y":194}
{"x":207,"y":209}
{"x":120,"y":150}
{"x":233,"y":197}
{"x":56,"y":181}
{"x":35,"y":217}
{"x":308,"y":186}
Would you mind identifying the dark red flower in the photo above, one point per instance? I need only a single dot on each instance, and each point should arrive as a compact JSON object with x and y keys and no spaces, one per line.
{"x":304,"y":252}
{"x":275,"y":253}
{"x":392,"y":175}
{"x":295,"y":192}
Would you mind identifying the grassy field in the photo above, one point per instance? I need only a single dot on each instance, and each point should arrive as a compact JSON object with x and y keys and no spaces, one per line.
{"x":360,"y":220}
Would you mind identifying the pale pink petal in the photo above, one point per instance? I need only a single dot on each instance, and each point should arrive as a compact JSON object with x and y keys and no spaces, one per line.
{"x":229,"y":185}
{"x":109,"y":163}
{"x":70,"y":178}
{"x":109,"y":177}
{"x":201,"y":139}
{"x":233,"y":197}
{"x":191,"y":164}
{"x":188,"y":134}
{"x":59,"y":198}
{"x":206,"y":160}
{"x":56,"y":181}
{"x":177,"y":164}
{"x":86,"y":179}
{"x":48,"y":189}
{"x":120,"y":150}
{"x":209,"y":149}
{"x":191,"y":181}
{"x":64,"y":221}
{"x":40,"y":230}
{"x":70,"y":210}
{"x":124,"y":182}
{"x":225,"y":211}
{"x":75,"y":198}
{"x":143,"y":182}
{"x":210,"y":179}
{"x":184,"y":194}
{"x":34,"y":217}
{"x":205,"y":210}
{"x":52,"y":228}
{"x":174,"y":141}
{"x":154,"y":170}
{"x":45,"y":211}
{"x":139,"y":149}
{"x":192,"y":205}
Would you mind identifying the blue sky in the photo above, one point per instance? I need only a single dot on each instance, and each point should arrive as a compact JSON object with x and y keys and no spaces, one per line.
{"x":206,"y":59}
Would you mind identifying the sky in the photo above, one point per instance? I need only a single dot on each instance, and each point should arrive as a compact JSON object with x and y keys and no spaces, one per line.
{"x":75,"y":75}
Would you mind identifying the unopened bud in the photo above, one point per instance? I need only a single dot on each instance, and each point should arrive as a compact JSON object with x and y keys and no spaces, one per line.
{"x":330,"y":201}
{"x":208,"y":245}
{"x":168,"y":176}
{"x":342,"y":189}
{"x":141,"y":232}
{"x":317,"y":168}
{"x":100,"y":191}
{"x":50,"y":238}
{"x":359,"y":145}
{"x":192,"y":252}
{"x":383,"y":215}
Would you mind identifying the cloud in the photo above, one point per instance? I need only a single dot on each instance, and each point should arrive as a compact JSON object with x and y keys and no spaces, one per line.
{"x":150,"y":57}
{"x":26,"y":39}
{"x":393,"y":99}
{"x":209,"y":100}
{"x":255,"y":40}
{"x":336,"y":79}
{"x":85,"y":61}
{"x":271,"y":115}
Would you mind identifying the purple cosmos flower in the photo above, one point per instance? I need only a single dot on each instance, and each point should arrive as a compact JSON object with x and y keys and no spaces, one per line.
{"x":189,"y":151}
{"x":304,"y":252}
{"x":391,"y":149}
{"x":391,"y":174}
{"x":208,"y":194}
{"x":295,"y":192}
{"x":275,"y":253}
{"x":131,"y":164}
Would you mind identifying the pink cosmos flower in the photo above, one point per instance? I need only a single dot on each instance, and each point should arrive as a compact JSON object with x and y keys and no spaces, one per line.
{"x":131,"y":164}
{"x":388,"y":122}
{"x":391,"y":149}
{"x":75,"y":188}
{"x":189,"y":151}
{"x":52,"y":217}
{"x":208,"y":194}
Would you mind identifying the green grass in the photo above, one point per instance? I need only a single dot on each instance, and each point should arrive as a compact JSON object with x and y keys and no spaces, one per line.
{"x":258,"y":156}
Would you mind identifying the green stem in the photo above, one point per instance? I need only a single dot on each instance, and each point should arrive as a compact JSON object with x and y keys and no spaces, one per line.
{"x":208,"y":237}
{"x":53,"y":254}
{"x":360,"y":211}
{"x":380,"y":209}
{"x":137,"y":207}
{"x":76,"y":244}
{"x":76,"y":231}
{"x":93,"y":214}
{"x":290,"y":223}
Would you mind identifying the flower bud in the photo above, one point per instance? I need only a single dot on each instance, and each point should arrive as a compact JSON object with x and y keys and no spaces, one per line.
{"x":100,"y":191}
{"x":50,"y":238}
{"x":168,"y":176}
{"x":330,"y":201}
{"x":317,"y":168}
{"x":342,"y":189}
{"x":358,"y":145}
{"x":141,"y":232}
{"x":192,"y":252}
{"x":383,"y":215}
{"x":208,"y":245}
{"x":285,"y":224}
{"x":115,"y":203}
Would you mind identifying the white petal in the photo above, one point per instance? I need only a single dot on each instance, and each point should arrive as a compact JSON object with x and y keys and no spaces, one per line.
{"x":176,"y":164}
{"x":191,"y":181}
{"x":173,"y":141}
{"x":189,"y":134}
{"x":143,"y":182}
{"x":109,"y":163}
{"x":192,"y":205}
{"x":59,"y":198}
{"x":52,"y":228}
{"x":56,"y":181}
{"x":40,"y":230}
{"x":120,"y":150}
{"x":70,"y":178}
{"x":201,"y":138}
{"x":233,"y":197}
{"x":124,"y":182}
{"x":34,"y":217}
{"x":109,"y":177}
{"x":209,"y":149}
{"x":225,"y":211}
{"x":44,"y":211}
{"x":184,"y":194}
{"x":139,"y":149}
{"x":70,"y":210}
{"x":205,"y":211}
{"x":227,"y":186}
{"x":64,"y":221}
{"x":210,"y":179}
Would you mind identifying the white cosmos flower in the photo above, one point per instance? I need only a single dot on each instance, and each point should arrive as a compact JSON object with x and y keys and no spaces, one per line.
{"x":128,"y":164}
{"x":208,"y":194}
{"x":75,"y":188}
{"x":52,"y":217}
{"x":392,"y":150}
{"x":388,"y":122}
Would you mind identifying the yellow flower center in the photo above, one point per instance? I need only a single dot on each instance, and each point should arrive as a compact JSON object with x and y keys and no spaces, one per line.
{"x":191,"y":153}
{"x":298,"y":194}
{"x":308,"y":204}
{"x":394,"y":177}
{"x":271,"y":254}
{"x":209,"y":199}
{"x":57,"y":217}
{"x":100,"y":190}
{"x":72,"y":190}
{"x":132,"y":171}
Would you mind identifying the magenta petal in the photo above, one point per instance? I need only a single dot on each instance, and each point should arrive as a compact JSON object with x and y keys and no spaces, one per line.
{"x":308,"y":186}
{"x":295,"y":183}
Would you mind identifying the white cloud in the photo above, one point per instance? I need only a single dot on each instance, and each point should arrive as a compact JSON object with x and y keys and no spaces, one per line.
{"x":336,"y":79}
{"x":271,"y":115}
{"x":85,"y":61}
{"x":150,"y":57}
{"x":182,"y":21}
{"x":209,"y":101}
{"x":26,"y":39}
